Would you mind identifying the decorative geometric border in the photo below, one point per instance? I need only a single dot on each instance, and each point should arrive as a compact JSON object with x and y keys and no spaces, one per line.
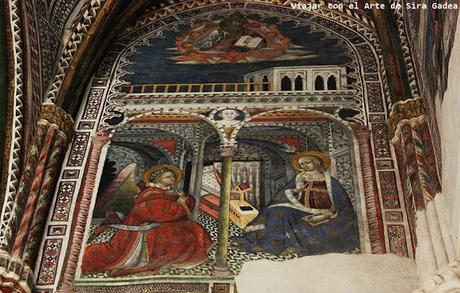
{"x":389,"y":190}
{"x":64,"y":200}
{"x":397,"y":238}
{"x":57,"y":230}
{"x":72,"y":45}
{"x":49,"y":262}
{"x":78,"y":149}
{"x":156,"y":287}
{"x":15,"y":147}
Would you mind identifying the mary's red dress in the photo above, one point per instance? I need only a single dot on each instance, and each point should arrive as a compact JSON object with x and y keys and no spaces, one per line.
{"x":140,"y":245}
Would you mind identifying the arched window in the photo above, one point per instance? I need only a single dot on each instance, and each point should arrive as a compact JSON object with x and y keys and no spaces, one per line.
{"x":265,"y":86}
{"x":298,"y":83}
{"x":251,"y":85}
{"x":331,"y":83}
{"x":319,"y":83}
{"x":286,"y":84}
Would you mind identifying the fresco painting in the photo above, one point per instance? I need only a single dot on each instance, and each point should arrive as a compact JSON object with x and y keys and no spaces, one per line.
{"x":232,"y":138}
{"x":235,"y":39}
{"x":311,"y":215}
{"x":281,"y":189}
{"x":169,"y":146}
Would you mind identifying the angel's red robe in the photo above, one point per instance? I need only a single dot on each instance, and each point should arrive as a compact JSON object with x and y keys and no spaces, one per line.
{"x":176,"y":241}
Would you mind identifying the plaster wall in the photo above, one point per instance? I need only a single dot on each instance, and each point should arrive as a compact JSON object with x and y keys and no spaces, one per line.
{"x":330,"y":273}
{"x":450,"y":143}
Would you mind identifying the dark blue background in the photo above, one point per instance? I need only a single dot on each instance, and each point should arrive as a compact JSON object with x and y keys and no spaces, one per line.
{"x":153,"y":66}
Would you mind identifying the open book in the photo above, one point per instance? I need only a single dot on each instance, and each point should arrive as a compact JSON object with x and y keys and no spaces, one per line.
{"x":248,"y":42}
{"x":317,"y":219}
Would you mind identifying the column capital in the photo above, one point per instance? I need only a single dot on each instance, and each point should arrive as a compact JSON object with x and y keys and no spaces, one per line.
{"x":361,"y":131}
{"x":53,"y":114}
{"x":405,"y":110}
{"x":227,"y":151}
{"x":101,"y":137}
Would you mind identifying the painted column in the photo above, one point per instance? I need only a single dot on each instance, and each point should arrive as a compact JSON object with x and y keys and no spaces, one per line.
{"x":33,"y":195}
{"x":25,"y":183}
{"x":221,"y":268}
{"x":100,"y":142}
{"x":44,"y":200}
{"x":374,"y":212}
{"x":196,"y":176}
{"x":37,"y":184}
{"x":435,"y":255}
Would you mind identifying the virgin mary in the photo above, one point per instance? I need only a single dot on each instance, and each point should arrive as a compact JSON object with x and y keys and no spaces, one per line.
{"x":155,"y":234}
{"x":311,"y":215}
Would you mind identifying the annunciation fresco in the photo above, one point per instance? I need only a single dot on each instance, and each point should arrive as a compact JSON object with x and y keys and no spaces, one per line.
{"x":284,"y":201}
{"x":215,"y":136}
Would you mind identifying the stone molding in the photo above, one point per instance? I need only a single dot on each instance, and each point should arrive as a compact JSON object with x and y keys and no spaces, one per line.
{"x":445,"y":279}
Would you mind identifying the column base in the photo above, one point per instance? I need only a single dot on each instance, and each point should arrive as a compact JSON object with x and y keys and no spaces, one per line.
{"x":445,"y":279}
{"x":222,"y":270}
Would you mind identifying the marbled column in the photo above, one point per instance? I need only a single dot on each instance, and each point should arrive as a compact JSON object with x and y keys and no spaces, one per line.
{"x":32,"y":199}
{"x":411,"y":137}
{"x":414,"y":150}
{"x":24,"y":186}
{"x":40,"y":215}
{"x":221,"y":269}
{"x":26,"y":223}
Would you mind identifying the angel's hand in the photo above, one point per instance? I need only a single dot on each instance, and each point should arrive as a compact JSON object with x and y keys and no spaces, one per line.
{"x":179,"y":192}
{"x":181,"y":200}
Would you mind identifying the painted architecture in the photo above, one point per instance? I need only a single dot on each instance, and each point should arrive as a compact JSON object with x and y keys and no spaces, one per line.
{"x":272,"y":122}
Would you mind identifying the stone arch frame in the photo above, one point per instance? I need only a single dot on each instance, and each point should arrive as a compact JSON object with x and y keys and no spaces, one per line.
{"x":378,"y":78}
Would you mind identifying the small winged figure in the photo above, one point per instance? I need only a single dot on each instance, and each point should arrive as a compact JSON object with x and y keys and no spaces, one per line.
{"x":117,"y":200}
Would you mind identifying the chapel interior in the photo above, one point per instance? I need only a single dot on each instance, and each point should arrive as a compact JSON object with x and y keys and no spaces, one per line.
{"x":229,"y":146}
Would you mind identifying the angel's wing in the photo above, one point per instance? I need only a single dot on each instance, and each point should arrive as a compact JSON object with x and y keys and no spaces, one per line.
{"x":120,"y":194}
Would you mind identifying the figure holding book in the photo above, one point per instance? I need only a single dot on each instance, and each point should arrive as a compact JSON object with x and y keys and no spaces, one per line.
{"x":312,"y":214}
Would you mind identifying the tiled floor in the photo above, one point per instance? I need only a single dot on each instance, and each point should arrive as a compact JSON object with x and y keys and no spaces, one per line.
{"x":236,"y":258}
